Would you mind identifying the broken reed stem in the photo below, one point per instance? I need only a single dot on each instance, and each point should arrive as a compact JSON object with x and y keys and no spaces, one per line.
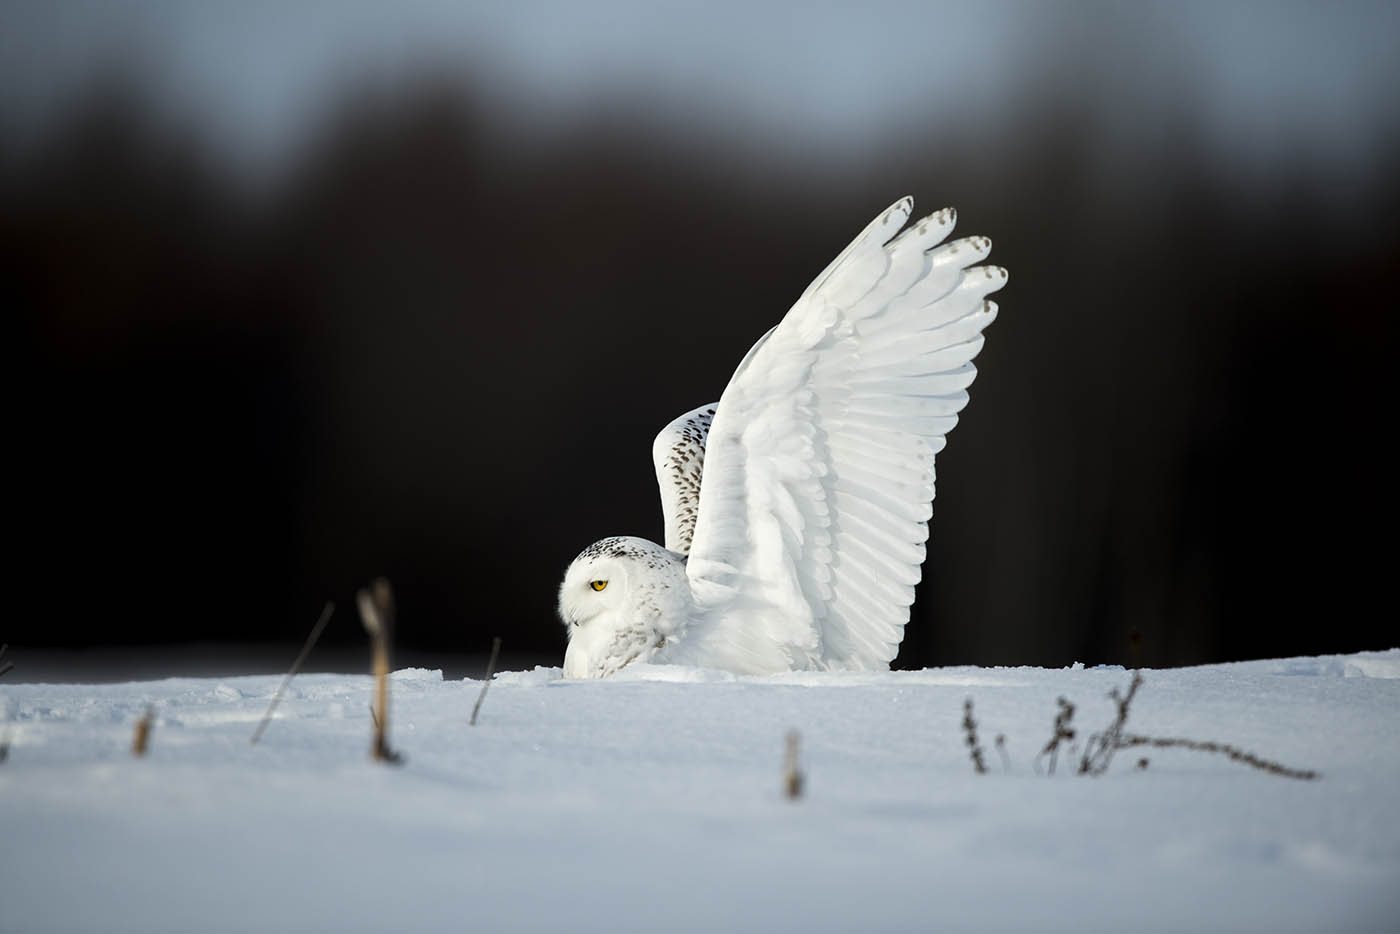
{"x":1062,"y":734}
{"x":1099,"y":750}
{"x":316,"y":630}
{"x":376,"y":604}
{"x":142,"y":737}
{"x":793,"y":778}
{"x":490,"y":673}
{"x":970,"y":727}
{"x":1224,"y":749}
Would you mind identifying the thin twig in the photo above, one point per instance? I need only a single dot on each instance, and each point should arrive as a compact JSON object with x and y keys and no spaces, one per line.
{"x":490,"y":673}
{"x":1224,"y":749}
{"x":296,"y":666}
{"x":970,"y":727}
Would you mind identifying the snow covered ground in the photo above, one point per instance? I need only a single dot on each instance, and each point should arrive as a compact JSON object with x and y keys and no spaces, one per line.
{"x":652,"y":802}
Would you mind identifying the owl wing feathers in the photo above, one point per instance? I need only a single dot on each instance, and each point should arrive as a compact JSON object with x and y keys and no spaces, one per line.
{"x":819,"y":463}
{"x":678,"y":454}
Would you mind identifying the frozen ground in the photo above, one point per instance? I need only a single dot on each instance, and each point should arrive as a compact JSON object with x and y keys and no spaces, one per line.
{"x":651,"y":802}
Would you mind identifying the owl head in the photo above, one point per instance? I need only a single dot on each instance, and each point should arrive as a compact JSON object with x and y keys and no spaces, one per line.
{"x":620,"y":601}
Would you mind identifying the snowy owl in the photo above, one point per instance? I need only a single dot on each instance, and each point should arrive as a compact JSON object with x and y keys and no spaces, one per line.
{"x":796,"y":507}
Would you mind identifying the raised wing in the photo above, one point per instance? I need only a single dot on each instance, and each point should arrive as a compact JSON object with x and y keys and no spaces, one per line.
{"x":679,"y":456}
{"x":819,"y":476}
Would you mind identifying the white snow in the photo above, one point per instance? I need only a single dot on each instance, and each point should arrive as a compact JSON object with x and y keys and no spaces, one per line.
{"x":651,"y":801}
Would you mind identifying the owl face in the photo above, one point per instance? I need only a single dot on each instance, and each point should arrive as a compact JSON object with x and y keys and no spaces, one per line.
{"x":592,"y":587}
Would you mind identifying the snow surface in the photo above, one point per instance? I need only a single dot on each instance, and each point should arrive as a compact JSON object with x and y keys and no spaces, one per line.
{"x":651,"y":801}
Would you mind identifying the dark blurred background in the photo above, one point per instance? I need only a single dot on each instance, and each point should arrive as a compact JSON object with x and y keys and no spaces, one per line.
{"x":303,"y":294}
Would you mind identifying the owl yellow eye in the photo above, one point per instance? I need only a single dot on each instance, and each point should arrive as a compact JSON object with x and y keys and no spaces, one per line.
{"x":597,"y":585}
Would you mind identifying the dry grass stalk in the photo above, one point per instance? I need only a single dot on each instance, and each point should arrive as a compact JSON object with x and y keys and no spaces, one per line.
{"x":1099,"y":750}
{"x":973,"y":748}
{"x":1101,"y":746}
{"x":793,"y":779}
{"x":142,"y":737}
{"x":1224,"y":749}
{"x":296,"y":666}
{"x":376,"y":605}
{"x":1000,"y":743}
{"x":9,"y":712}
{"x":1063,"y":734}
{"x":5,"y":740}
{"x":490,"y":673}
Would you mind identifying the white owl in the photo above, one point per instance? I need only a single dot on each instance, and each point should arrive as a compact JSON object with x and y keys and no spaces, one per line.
{"x":797,"y":507}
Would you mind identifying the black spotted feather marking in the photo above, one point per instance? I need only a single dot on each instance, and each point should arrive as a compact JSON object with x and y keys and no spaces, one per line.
{"x":679,"y":456}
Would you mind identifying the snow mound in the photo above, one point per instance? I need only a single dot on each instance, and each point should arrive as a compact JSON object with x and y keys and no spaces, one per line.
{"x":539,"y":675}
{"x":1359,"y":665}
{"x":674,"y":674}
{"x":416,"y":674}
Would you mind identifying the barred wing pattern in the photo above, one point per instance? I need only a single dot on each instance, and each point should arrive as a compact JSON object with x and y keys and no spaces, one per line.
{"x":678,"y":453}
{"x":819,"y":466}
